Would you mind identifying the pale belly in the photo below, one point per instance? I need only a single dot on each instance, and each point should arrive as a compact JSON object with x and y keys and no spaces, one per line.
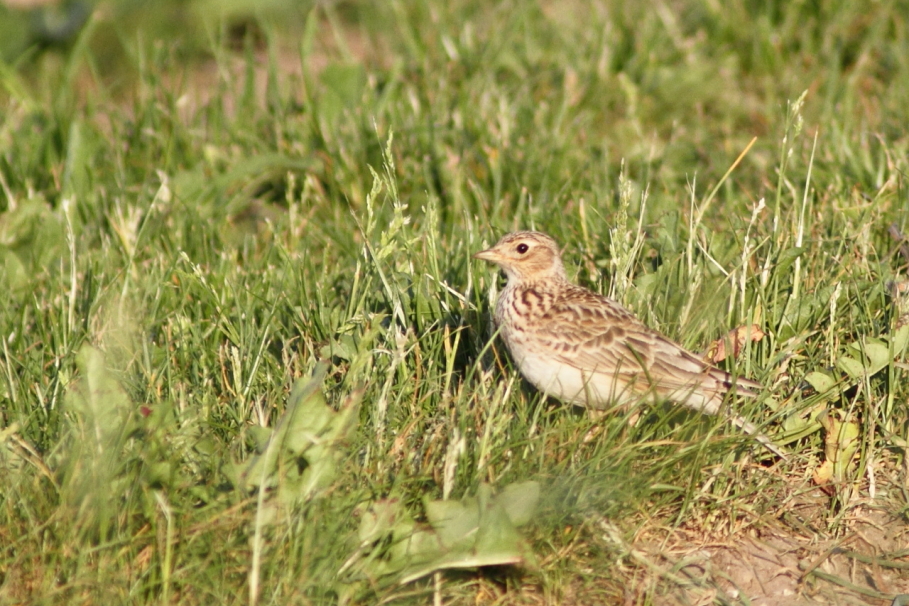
{"x":596,"y":390}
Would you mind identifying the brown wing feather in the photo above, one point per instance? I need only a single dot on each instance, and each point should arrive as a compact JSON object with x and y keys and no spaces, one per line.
{"x":606,"y":338}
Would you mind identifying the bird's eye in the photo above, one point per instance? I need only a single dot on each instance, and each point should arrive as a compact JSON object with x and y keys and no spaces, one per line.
{"x":522,"y":248}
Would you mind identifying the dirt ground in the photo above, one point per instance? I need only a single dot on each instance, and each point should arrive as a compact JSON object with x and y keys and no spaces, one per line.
{"x":865,"y":564}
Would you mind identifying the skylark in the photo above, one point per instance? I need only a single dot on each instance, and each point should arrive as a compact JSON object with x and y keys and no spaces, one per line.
{"x":583,"y":348}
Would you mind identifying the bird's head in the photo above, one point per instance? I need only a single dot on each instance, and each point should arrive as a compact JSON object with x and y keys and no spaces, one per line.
{"x":526,"y":256}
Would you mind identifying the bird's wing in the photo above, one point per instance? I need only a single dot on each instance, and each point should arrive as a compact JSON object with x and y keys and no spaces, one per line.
{"x":603,"y":337}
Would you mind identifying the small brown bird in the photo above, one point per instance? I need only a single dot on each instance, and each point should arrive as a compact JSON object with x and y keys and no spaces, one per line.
{"x":583,"y":348}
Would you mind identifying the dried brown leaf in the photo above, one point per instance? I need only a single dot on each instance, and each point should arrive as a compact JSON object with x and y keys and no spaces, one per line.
{"x":719,"y":349}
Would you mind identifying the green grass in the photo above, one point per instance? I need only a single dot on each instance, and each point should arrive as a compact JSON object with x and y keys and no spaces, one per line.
{"x":195,"y":212}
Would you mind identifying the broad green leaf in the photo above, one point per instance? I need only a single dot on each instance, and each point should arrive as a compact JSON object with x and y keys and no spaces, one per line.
{"x":479,"y":531}
{"x":851,"y":367}
{"x":875,"y":351}
{"x":382,"y":517}
{"x":13,"y":275}
{"x":520,"y":501}
{"x":468,"y":533}
{"x":308,"y":430}
{"x":878,"y":354}
{"x":32,"y":237}
{"x":820,"y":381}
{"x":873,"y":355}
{"x":900,"y":339}
{"x":260,"y":435}
{"x":306,"y":420}
{"x":787,"y":258}
{"x":498,"y":541}
{"x":455,"y":521}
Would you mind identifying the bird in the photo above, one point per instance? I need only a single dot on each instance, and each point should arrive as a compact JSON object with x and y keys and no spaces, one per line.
{"x":586,"y":349}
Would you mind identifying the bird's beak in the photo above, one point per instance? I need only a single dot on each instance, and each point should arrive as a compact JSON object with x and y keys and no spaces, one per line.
{"x":487,"y":255}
